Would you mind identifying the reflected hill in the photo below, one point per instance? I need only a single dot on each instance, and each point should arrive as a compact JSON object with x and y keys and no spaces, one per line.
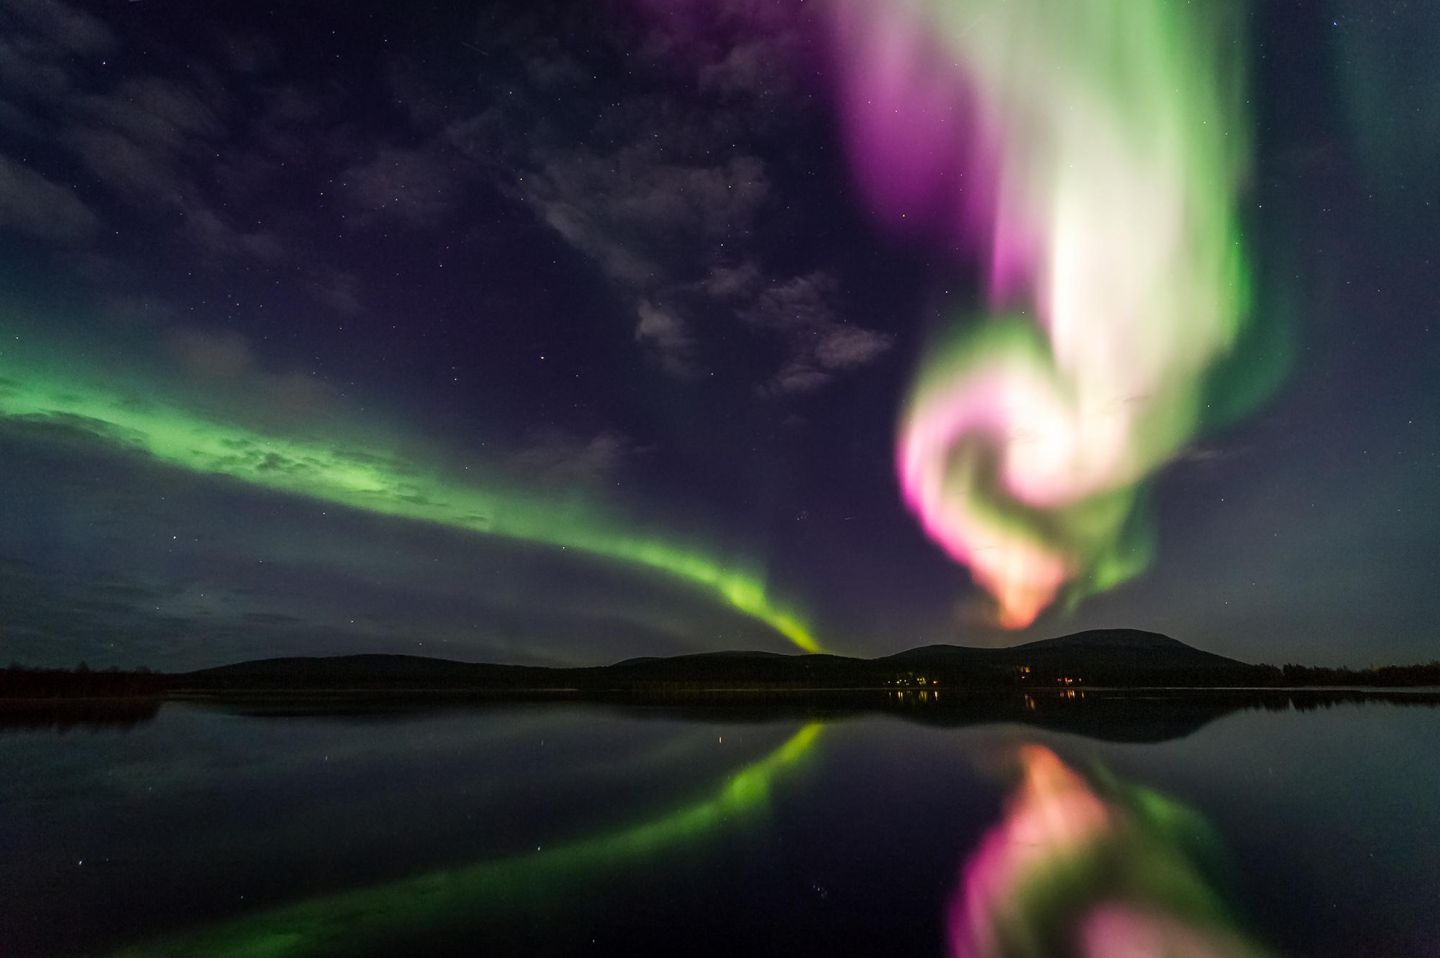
{"x":85,"y":714}
{"x":1111,"y":715}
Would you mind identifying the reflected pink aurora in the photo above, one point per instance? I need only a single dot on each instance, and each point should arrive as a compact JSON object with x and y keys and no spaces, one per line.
{"x":1067,"y":872}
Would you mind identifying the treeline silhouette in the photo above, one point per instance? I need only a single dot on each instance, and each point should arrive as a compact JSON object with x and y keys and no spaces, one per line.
{"x":1143,"y":705}
{"x":1384,"y":676}
{"x":1238,"y":675}
{"x":25,"y":682}
{"x":64,"y":699}
{"x":1080,"y":662}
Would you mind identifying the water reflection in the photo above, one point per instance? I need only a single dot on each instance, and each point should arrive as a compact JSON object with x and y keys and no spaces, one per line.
{"x":1125,"y":715}
{"x":742,"y":828}
{"x":359,"y":922}
{"x":1068,"y":871}
{"x":64,"y":715}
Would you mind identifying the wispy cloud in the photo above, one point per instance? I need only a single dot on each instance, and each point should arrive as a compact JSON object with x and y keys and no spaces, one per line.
{"x":37,"y":207}
{"x":668,"y":339}
{"x":803,"y":311}
{"x":666,"y":187}
{"x":669,"y":182}
{"x":152,"y":149}
{"x":59,"y":27}
{"x":418,"y":188}
{"x":226,"y":363}
{"x":561,"y":459}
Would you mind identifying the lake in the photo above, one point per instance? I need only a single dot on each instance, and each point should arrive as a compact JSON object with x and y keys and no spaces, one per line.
{"x":589,"y":829}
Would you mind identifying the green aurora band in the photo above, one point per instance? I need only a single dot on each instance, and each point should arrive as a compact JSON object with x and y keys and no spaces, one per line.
{"x":38,"y":389}
{"x":356,"y":922}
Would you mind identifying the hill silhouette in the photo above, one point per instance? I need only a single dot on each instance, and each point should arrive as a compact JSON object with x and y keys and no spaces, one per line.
{"x":1112,"y":656}
{"x":1103,"y":658}
{"x":1108,"y":648}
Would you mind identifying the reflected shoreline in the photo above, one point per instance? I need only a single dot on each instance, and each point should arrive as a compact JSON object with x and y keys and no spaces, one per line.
{"x":1119,"y":715}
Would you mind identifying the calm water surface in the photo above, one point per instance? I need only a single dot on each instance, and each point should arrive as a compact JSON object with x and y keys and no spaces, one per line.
{"x":589,"y":830}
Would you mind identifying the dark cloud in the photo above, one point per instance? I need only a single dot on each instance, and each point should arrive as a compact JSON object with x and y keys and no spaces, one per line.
{"x":153,"y":143}
{"x":338,"y":289}
{"x":409,"y":89}
{"x":642,"y":193}
{"x":59,"y":26}
{"x":664,"y":185}
{"x":145,"y":138}
{"x":803,"y":312}
{"x":212,"y":354}
{"x":250,"y":53}
{"x":659,"y":196}
{"x":125,"y":167}
{"x":59,"y":618}
{"x":70,"y":428}
{"x":754,"y":67}
{"x":418,"y":188}
{"x":664,"y":188}
{"x":137,"y":310}
{"x":558,"y":458}
{"x":797,"y":305}
{"x":28,"y":73}
{"x":225,"y":363}
{"x":206,"y":229}
{"x":33,"y":205}
{"x":647,"y":214}
{"x":154,"y":149}
{"x":162,"y":116}
{"x":738,"y":283}
{"x":667,"y":338}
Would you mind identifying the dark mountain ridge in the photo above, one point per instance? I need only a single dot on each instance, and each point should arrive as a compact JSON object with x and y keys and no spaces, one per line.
{"x":1134,"y":647}
{"x":1113,"y":658}
{"x":1124,"y":656}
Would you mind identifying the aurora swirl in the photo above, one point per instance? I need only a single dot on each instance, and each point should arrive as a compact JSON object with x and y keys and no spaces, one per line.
{"x":59,"y":390}
{"x":1091,"y":156}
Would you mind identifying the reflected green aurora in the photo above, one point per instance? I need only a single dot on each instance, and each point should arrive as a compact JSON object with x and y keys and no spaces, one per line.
{"x":352,"y":922}
{"x":37,"y":389}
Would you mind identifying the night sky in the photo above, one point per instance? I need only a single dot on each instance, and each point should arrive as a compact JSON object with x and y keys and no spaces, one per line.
{"x":563,"y":332}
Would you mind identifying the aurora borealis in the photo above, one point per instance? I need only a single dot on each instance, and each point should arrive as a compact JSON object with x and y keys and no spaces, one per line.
{"x":1105,"y":147}
{"x":362,"y":479}
{"x":559,"y":477}
{"x":565,"y":333}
